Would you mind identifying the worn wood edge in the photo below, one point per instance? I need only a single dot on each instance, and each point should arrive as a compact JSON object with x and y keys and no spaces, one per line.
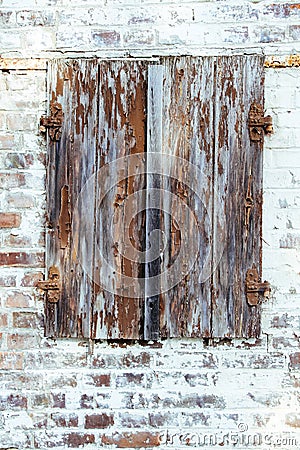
{"x":271,"y":62}
{"x":23,"y":64}
{"x":276,"y":62}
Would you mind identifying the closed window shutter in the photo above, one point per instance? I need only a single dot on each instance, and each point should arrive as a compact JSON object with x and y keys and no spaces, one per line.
{"x":146,"y":146}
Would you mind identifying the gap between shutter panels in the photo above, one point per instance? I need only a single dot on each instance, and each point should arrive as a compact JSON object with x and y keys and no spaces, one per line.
{"x":179,"y":106}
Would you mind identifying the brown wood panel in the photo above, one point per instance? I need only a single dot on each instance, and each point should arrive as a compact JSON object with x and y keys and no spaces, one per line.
{"x":184,"y":122}
{"x":120,"y":222}
{"x":71,"y":163}
{"x":238,"y":170}
{"x":187,"y":139}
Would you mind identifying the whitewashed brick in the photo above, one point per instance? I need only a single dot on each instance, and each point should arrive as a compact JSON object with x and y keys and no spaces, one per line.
{"x":10,"y":40}
{"x":287,"y":119}
{"x":68,"y":37}
{"x":39,"y":39}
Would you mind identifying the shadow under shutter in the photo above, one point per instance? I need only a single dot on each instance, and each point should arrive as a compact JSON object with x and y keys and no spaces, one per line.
{"x":168,"y":140}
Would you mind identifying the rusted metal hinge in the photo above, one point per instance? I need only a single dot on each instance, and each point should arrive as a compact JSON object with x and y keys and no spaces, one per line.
{"x":51,"y":286}
{"x":255,"y":288}
{"x":258,"y":124}
{"x":53,"y":123}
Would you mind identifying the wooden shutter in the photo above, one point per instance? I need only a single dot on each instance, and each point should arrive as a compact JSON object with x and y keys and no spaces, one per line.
{"x":239,"y":81}
{"x":178,"y":129}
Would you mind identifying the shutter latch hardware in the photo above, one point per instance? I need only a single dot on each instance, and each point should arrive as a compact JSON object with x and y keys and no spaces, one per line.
{"x":255,"y":288}
{"x":258,"y":124}
{"x":51,"y":286}
{"x":54,"y":122}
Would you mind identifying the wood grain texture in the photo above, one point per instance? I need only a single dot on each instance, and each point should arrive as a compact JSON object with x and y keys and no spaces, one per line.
{"x":72,"y":163}
{"x":238,"y":168}
{"x":119,"y":228}
{"x":188,"y":135}
{"x":193,"y":113}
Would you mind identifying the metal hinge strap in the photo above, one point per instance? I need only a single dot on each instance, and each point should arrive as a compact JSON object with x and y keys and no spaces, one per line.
{"x":52,"y":286}
{"x":255,"y":288}
{"x":258,"y":124}
{"x":53,"y":123}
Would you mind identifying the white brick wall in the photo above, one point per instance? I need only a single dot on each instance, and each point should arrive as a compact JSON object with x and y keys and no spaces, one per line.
{"x":50,"y":392}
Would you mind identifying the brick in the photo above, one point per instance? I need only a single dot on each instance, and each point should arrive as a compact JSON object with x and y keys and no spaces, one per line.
{"x":48,"y":360}
{"x":62,"y":380}
{"x":106,"y":38}
{"x":283,"y":342}
{"x":22,"y":122}
{"x":11,"y":361}
{"x":7,"y":141}
{"x":132,"y":440}
{"x":30,"y":279}
{"x":39,"y":420}
{"x":284,"y":321}
{"x":27,"y":320}
{"x":131,"y":379}
{"x":12,"y":180}
{"x":7,"y":19}
{"x":3,"y":320}
{"x":22,"y":259}
{"x":20,"y":200}
{"x":183,"y":360}
{"x":24,"y":240}
{"x":294,"y":361}
{"x":293,"y":420}
{"x":10,"y":220}
{"x":281,"y":10}
{"x":40,"y":401}
{"x":129,"y":360}
{"x":290,"y":240}
{"x":8,"y":280}
{"x":69,"y":38}
{"x":133,"y":420}
{"x":58,"y":400}
{"x":98,"y":420}
{"x":10,"y":41}
{"x":139,"y":37}
{"x":98,"y":380}
{"x":75,"y":440}
{"x":255,"y":360}
{"x":87,"y":401}
{"x":47,"y":439}
{"x":165,"y":419}
{"x":18,"y":161}
{"x":12,"y":401}
{"x":21,"y":341}
{"x":39,"y":39}
{"x":18,"y":299}
{"x":12,"y":380}
{"x":35,"y":18}
{"x":266,"y":34}
{"x":294,"y":32}
{"x":65,"y":420}
{"x":229,"y":13}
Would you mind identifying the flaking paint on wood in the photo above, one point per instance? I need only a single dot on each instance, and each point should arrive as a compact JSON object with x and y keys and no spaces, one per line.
{"x":193,"y":108}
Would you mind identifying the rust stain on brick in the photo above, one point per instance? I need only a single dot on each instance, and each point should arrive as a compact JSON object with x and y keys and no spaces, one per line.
{"x":278,"y":62}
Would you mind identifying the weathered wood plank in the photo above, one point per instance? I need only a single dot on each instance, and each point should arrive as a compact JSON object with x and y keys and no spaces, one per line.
{"x":71,"y":164}
{"x":120,"y":227}
{"x":187,"y":137}
{"x":153,"y":202}
{"x":238,"y":83}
